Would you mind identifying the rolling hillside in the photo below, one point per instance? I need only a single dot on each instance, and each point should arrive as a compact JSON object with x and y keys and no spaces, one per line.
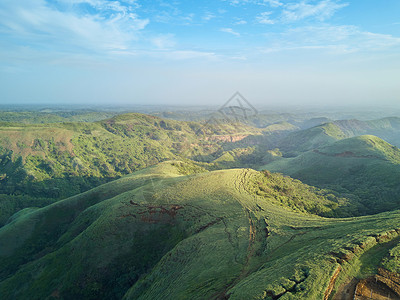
{"x":109,"y":148}
{"x":325,"y":134}
{"x":54,"y":116}
{"x":41,"y":163}
{"x":386,"y":128}
{"x":315,"y":137}
{"x":365,"y":166}
{"x":214,"y":235}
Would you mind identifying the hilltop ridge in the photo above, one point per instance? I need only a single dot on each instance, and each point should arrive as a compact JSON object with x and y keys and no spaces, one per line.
{"x":364,"y":166}
{"x":152,"y":232}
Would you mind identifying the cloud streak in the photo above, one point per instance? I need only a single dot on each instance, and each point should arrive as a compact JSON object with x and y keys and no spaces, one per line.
{"x":140,"y":29}
{"x":298,"y":11}
{"x":265,"y":18}
{"x":230,"y":31}
{"x":321,"y":11}
{"x":340,"y":40}
{"x":111,"y":25}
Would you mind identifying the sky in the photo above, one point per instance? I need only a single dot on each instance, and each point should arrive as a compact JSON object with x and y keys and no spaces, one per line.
{"x":290,"y":52}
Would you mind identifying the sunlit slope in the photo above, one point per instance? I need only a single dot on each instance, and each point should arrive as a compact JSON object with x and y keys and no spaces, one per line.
{"x":160,"y":234}
{"x":367,"y":166}
{"x":328,"y":133}
{"x":110,"y":148}
{"x":41,"y":163}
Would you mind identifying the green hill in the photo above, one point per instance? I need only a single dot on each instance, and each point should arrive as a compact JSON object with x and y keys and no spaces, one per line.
{"x":54,"y":116}
{"x":109,"y":148}
{"x":46,"y":162}
{"x":42,"y":163}
{"x":157,"y":233}
{"x":365,"y":146}
{"x":386,"y":128}
{"x":325,"y":134}
{"x":315,"y":137}
{"x":365,"y":166}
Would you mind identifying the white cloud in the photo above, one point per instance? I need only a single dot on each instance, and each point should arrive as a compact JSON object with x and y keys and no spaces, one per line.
{"x":321,"y":11}
{"x":236,"y":2}
{"x":273,"y":3}
{"x":343,"y":39}
{"x":230,"y":30}
{"x":208,"y":16}
{"x":187,"y":55}
{"x":188,"y":18}
{"x":241,"y":22}
{"x":376,"y":41}
{"x":164,"y":41}
{"x":264,"y":18}
{"x":111,"y":26}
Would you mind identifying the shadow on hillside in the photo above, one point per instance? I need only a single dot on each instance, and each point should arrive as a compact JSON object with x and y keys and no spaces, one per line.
{"x":17,"y":196}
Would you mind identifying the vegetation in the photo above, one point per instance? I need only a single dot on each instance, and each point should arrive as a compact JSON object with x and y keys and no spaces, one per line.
{"x":315,"y":137}
{"x":55,"y":161}
{"x":366,"y":167}
{"x":325,"y":134}
{"x":175,"y":204}
{"x":392,"y":261}
{"x":54,"y":116}
{"x":102,"y":242}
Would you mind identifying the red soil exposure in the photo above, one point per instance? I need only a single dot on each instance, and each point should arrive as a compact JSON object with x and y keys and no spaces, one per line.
{"x":227,"y":138}
{"x":172,"y":211}
{"x":332,"y":282}
{"x":345,"y":154}
{"x":372,"y":288}
{"x":390,"y":279}
{"x":395,"y":277}
{"x":154,"y":214}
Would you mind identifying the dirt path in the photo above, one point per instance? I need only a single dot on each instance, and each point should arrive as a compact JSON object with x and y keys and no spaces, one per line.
{"x":346,"y":291}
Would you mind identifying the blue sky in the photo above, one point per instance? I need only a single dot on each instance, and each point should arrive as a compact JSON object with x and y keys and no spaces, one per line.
{"x":200,"y":52}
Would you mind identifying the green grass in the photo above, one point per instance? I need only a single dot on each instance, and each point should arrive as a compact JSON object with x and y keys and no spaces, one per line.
{"x":55,"y":161}
{"x":41,"y":117}
{"x":315,"y":137}
{"x":392,"y":261}
{"x":159,"y":233}
{"x":366,"y":263}
{"x":328,"y":133}
{"x":366,"y":167}
{"x":178,"y":231}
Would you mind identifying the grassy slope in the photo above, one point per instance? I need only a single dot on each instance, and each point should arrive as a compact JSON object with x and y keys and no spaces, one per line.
{"x":386,"y":128}
{"x":49,"y":162}
{"x":365,"y":166}
{"x":157,"y":233}
{"x":40,"y":117}
{"x":328,"y":133}
{"x":54,"y":161}
{"x":315,"y":137}
{"x":113,"y":147}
